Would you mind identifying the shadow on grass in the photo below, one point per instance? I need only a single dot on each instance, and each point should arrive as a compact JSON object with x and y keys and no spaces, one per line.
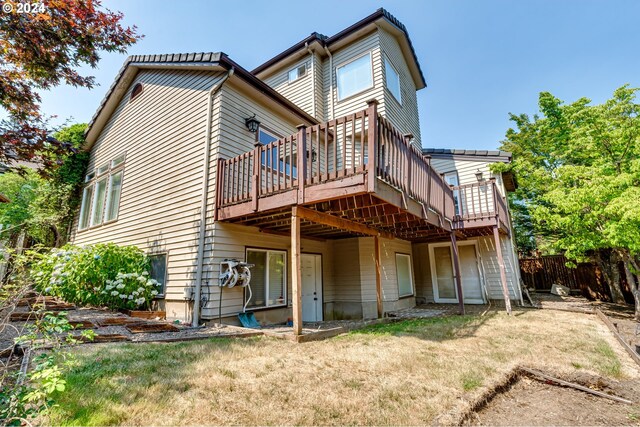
{"x":431,"y":329}
{"x":103,"y":381}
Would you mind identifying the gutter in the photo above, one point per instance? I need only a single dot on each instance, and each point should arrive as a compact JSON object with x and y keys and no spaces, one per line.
{"x":195,"y":317}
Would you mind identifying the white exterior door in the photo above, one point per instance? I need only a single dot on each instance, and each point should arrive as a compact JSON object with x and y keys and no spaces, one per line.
{"x":470,"y":273}
{"x":311,"y":266}
{"x":443,"y":273}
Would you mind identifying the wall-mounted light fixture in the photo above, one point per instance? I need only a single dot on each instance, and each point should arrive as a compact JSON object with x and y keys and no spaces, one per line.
{"x":314,"y":155}
{"x":252,"y":124}
{"x":479,"y":175}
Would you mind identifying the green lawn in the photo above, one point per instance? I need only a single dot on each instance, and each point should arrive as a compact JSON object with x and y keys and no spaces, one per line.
{"x":409,"y":372}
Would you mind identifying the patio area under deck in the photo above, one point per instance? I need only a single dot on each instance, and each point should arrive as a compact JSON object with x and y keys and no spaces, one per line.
{"x":358,"y":176}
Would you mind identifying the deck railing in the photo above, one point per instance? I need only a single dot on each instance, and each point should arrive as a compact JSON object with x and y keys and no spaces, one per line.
{"x":363,"y":143}
{"x":479,"y":201}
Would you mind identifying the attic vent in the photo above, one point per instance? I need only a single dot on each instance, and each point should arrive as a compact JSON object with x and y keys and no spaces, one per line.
{"x":137,"y":90}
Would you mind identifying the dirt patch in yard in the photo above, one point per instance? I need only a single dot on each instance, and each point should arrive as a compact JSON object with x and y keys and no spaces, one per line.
{"x":531,"y":402}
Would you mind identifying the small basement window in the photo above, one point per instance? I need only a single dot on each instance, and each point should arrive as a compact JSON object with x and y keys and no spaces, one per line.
{"x":297,"y":72}
{"x":137,"y":90}
{"x":158,"y":271}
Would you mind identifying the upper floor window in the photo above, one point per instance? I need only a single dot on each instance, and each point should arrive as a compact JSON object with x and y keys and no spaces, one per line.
{"x":101,"y":195}
{"x":393,"y":80}
{"x":297,"y":72}
{"x":354,"y":77}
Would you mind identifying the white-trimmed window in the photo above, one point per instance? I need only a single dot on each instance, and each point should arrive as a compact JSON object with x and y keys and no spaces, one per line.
{"x":404,"y":275}
{"x":296,"y":73}
{"x":354,"y":77}
{"x":268,"y":278}
{"x":101,"y":194}
{"x":393,"y":80}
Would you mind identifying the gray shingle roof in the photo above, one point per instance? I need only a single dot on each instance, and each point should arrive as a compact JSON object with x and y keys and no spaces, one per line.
{"x":460,"y":152}
{"x":202,"y":58}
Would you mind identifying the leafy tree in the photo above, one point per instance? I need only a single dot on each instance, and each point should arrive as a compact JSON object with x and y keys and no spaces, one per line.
{"x":39,"y":51}
{"x":579,"y":169}
{"x":43,"y":207}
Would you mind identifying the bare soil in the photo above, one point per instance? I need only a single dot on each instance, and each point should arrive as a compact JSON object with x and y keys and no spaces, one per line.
{"x":531,"y":402}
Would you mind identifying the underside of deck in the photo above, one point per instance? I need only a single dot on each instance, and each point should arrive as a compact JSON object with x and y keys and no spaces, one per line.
{"x":363,"y":177}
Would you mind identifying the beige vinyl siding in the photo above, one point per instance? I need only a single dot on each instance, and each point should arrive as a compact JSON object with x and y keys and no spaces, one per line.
{"x":403,"y":116}
{"x":162,"y":132}
{"x":298,"y":91}
{"x":231,"y":242}
{"x":346,"y":272}
{"x":231,"y":138}
{"x":388,"y":250}
{"x":422,"y":269}
{"x":358,"y":102}
{"x":467,"y":170}
{"x":318,"y":75}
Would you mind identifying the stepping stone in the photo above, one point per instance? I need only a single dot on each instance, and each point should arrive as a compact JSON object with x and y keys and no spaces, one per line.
{"x":118,"y":321}
{"x":151,"y":327}
{"x":82,"y":324}
{"x":104,"y":338}
{"x":23,"y":316}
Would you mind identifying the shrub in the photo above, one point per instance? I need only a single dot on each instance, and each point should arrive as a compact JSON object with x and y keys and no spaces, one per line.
{"x":99,"y":275}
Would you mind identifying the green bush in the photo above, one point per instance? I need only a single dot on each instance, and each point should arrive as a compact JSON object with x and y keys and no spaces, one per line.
{"x":99,"y":275}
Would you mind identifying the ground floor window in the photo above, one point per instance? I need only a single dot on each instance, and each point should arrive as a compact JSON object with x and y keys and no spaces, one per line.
{"x":158,"y":271}
{"x":403,"y":272}
{"x":268,"y":278}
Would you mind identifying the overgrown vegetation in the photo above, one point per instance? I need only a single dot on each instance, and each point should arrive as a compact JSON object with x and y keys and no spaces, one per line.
{"x":43,"y":206}
{"x":104,"y":275}
{"x":578,"y":166}
{"x":27,"y":394}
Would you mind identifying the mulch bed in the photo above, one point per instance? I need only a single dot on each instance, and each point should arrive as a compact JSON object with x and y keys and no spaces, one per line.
{"x":530,"y":402}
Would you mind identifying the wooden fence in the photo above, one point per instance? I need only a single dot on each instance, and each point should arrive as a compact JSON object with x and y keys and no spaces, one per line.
{"x":540,"y":273}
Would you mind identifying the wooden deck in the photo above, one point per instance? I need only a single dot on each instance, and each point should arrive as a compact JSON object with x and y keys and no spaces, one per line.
{"x":358,"y":174}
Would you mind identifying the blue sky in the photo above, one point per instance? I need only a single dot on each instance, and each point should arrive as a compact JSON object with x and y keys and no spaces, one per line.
{"x":481,"y":59}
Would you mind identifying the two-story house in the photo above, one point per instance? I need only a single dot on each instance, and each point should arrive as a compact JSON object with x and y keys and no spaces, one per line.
{"x":309,"y":167}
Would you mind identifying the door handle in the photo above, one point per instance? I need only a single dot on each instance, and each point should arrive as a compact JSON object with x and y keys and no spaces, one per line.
{"x":315,"y":299}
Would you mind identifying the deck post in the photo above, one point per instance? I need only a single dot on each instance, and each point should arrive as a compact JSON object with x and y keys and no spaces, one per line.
{"x":372,"y":142}
{"x":296,"y":272}
{"x":503,"y":272}
{"x":376,"y":244}
{"x":456,"y":270}
{"x":219,"y":188}
{"x":257,"y":163}
{"x":302,"y":160}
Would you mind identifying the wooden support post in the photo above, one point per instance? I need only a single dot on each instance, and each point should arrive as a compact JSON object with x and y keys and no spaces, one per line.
{"x":296,"y":272}
{"x":376,"y":249}
{"x":257,"y":166}
{"x":456,"y":271}
{"x":503,"y":272}
{"x":219,"y":188}
{"x":302,"y":161}
{"x":372,"y":143}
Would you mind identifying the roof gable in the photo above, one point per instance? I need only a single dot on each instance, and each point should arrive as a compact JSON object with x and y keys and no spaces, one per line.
{"x":381,"y":17}
{"x":192,"y":61}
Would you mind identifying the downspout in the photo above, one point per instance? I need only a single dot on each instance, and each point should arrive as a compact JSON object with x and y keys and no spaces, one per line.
{"x":313,"y":80}
{"x":195,"y":317}
{"x":326,"y":49}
